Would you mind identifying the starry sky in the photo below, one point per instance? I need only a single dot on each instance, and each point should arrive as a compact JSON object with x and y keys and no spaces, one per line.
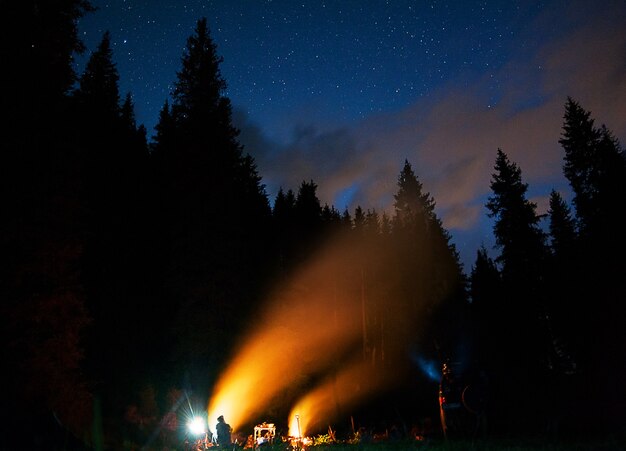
{"x":342,"y":92}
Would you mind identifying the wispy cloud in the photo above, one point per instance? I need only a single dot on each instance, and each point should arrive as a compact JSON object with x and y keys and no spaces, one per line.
{"x":451,"y":136}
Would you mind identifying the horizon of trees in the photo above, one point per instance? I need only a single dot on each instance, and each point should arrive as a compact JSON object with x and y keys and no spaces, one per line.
{"x":132,"y":267}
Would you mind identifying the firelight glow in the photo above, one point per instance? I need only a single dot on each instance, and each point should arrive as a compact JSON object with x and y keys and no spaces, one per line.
{"x":302,"y":332}
{"x":310,"y":347}
{"x":329,"y":399}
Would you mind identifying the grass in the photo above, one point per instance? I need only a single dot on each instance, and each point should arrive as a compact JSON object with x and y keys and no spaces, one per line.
{"x":605,"y":444}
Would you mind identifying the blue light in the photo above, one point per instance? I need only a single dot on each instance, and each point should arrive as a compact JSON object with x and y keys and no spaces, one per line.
{"x":429,"y":367}
{"x":345,"y":197}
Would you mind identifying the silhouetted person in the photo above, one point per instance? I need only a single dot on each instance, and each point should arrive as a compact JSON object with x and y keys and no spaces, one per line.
{"x":223,"y":430}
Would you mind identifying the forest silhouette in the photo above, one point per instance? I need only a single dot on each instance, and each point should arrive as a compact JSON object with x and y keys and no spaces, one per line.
{"x":133,"y":267}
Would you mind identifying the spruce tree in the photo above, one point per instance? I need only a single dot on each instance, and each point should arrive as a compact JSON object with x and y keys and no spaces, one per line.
{"x":215,"y":213}
{"x":432,"y":282}
{"x":562,"y":227}
{"x":98,"y":85}
{"x":113,"y":157}
{"x":522,"y":260}
{"x":372,"y":224}
{"x":564,"y":301}
{"x":412,"y":206}
{"x":308,"y":206}
{"x":331,"y":220}
{"x":346,"y":219}
{"x":595,"y":167}
{"x":487,"y":308}
{"x":330,"y":215}
{"x":484,"y":281}
{"x":43,"y":314}
{"x":359,"y":220}
{"x":516,"y":227}
{"x":564,"y":272}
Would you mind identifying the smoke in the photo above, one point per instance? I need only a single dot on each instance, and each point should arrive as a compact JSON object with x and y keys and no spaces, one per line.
{"x":327,"y":340}
{"x":329,"y":400}
{"x":304,"y":327}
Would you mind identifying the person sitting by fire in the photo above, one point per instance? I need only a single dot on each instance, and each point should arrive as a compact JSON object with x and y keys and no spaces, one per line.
{"x":223,"y":431}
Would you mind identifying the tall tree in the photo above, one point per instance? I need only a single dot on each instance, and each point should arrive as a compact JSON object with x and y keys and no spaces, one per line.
{"x":415,"y":220}
{"x":43,"y":56}
{"x":485,"y":279}
{"x":412,"y":205}
{"x":595,"y":166}
{"x":562,"y":226}
{"x":564,"y":303}
{"x":488,"y":309}
{"x":98,"y":85}
{"x":564,"y":274}
{"x":596,"y":169}
{"x":433,"y":283}
{"x":43,"y":315}
{"x":308,"y":211}
{"x":516,"y":227}
{"x":113,"y":156}
{"x":522,"y":258}
{"x":359,"y":219}
{"x":216,"y":212}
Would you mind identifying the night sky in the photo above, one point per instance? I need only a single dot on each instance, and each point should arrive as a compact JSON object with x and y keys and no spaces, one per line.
{"x":342,"y":92}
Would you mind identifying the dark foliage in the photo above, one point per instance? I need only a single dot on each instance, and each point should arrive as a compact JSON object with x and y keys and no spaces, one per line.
{"x":595,"y":166}
{"x":521,"y":333}
{"x":212,"y":221}
{"x":130,"y":271}
{"x":42,"y":237}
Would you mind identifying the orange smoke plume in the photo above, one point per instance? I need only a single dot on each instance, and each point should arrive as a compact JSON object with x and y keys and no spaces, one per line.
{"x":330,"y":399}
{"x":305,"y":327}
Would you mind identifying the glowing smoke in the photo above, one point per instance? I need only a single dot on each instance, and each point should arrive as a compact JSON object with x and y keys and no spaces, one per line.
{"x":326,"y":340}
{"x":303,"y":329}
{"x":333,"y":395}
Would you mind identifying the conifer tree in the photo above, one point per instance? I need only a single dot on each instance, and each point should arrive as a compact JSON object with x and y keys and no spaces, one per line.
{"x":372,"y":223}
{"x":113,"y":157}
{"x":308,"y":208}
{"x":412,"y":206}
{"x":284,"y":231}
{"x":308,"y":218}
{"x":216,"y":213}
{"x":43,"y":314}
{"x":330,"y":215}
{"x":42,"y":59}
{"x":199,"y":88}
{"x":385,"y":225}
{"x":516,"y":227}
{"x":595,"y":167}
{"x":564,"y":275}
{"x":331,"y":220}
{"x":346,"y":219}
{"x":433,"y":284}
{"x":562,"y":227}
{"x":564,"y":312}
{"x":487,"y":307}
{"x":98,"y":85}
{"x":165,"y":130}
{"x":522,"y":259}
{"x":359,"y":219}
{"x":484,"y":281}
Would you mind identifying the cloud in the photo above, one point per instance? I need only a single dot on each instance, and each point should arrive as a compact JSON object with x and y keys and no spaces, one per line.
{"x":451,"y":136}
